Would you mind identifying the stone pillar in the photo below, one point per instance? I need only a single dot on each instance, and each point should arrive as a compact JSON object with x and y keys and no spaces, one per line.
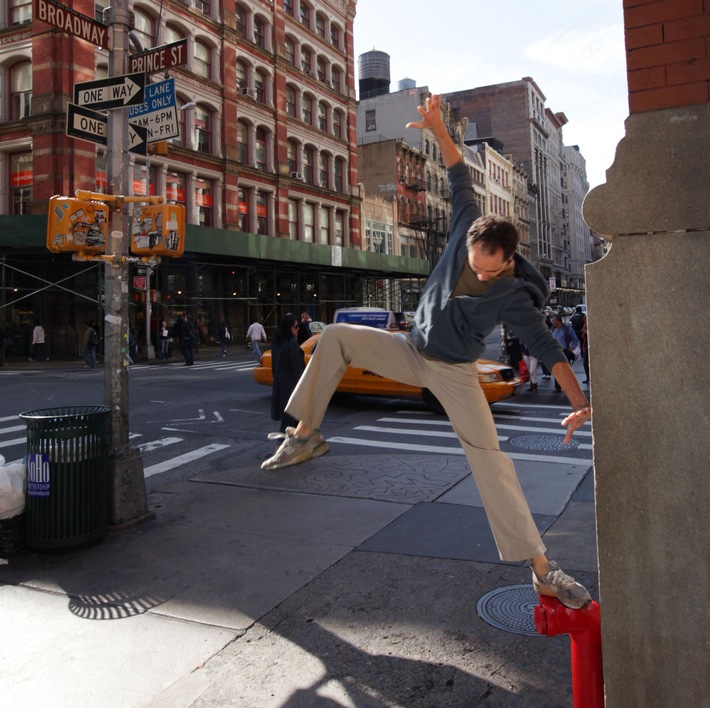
{"x":648,"y":300}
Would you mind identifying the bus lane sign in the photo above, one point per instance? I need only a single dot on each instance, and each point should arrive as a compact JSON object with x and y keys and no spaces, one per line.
{"x":158,"y":115}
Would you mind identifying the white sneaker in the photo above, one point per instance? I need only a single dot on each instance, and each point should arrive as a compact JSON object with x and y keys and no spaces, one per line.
{"x":564,"y":587}
{"x":294,"y":449}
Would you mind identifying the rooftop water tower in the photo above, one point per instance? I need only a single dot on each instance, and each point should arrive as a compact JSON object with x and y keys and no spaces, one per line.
{"x":374,"y":73}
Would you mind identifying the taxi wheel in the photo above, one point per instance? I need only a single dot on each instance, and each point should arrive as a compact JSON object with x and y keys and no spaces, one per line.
{"x":432,"y":402}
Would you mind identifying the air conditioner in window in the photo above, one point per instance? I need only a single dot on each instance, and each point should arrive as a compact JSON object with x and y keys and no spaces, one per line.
{"x":297,"y":175}
{"x":246,"y":91}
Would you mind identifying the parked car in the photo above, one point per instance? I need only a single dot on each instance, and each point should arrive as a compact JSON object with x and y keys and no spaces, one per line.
{"x":498,"y":381}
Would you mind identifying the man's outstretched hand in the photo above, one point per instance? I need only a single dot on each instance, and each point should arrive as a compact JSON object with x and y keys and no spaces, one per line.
{"x":576,"y":420}
{"x":430,"y":113}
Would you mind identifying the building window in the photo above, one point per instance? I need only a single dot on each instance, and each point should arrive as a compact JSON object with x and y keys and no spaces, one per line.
{"x":204,"y":7}
{"x":337,"y":124}
{"x":241,"y":18}
{"x":320,"y":69}
{"x":242,"y":72}
{"x":323,"y":171}
{"x":291,"y":101}
{"x":21,"y":91}
{"x":244,"y":200}
{"x":262,"y":213}
{"x":260,"y":86}
{"x":305,"y":15}
{"x":320,"y":25}
{"x":175,"y":191}
{"x":145,"y":28}
{"x":308,"y":110}
{"x":203,"y":130}
{"x":260,"y":32}
{"x":290,"y":49}
{"x":336,"y":75}
{"x":21,"y":183}
{"x":308,"y":222}
{"x":20,"y":11}
{"x":203,"y":202}
{"x":339,"y":229}
{"x":243,"y":142}
{"x":308,"y":163}
{"x":335,"y":35}
{"x":292,"y":156}
{"x":323,"y":117}
{"x":293,"y":219}
{"x":170,"y":34}
{"x":370,"y":120}
{"x":324,"y":225}
{"x":306,"y":59}
{"x":203,"y":60}
{"x":338,"y":174}
{"x":101,"y":181}
{"x":261,"y":143}
{"x":288,"y":7}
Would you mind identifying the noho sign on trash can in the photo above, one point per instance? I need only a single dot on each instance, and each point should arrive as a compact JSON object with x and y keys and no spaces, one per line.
{"x":67,"y":479}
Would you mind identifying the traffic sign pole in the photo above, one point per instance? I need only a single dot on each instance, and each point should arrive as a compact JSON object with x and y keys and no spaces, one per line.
{"x":128,"y":496}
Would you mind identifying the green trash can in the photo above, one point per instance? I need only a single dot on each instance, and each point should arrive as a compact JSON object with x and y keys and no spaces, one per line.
{"x":67,"y":501}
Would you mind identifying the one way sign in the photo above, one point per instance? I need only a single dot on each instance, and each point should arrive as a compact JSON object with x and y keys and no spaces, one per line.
{"x":87,"y":124}
{"x":112,"y":92}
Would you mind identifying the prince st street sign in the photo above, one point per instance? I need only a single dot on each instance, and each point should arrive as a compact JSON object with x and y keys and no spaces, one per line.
{"x":111,"y":92}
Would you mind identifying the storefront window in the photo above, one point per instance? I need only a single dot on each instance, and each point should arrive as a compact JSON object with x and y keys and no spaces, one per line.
{"x":308,"y":222}
{"x":203,"y":201}
{"x":262,"y":213}
{"x":21,"y":182}
{"x":293,"y":219}
{"x":175,"y":190}
{"x":244,"y":197}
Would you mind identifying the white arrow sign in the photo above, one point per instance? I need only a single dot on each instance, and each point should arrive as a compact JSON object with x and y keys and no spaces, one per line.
{"x":112,"y":92}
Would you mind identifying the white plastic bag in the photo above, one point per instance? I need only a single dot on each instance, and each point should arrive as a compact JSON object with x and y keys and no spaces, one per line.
{"x":12,"y":489}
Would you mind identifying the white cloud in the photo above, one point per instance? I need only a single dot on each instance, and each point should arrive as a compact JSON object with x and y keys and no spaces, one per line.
{"x":598,"y":53}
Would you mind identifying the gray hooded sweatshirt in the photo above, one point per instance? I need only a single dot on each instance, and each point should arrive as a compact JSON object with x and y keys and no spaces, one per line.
{"x":454,"y":328}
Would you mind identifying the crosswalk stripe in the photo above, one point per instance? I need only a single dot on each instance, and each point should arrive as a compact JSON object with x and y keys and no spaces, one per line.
{"x":8,"y":417}
{"x":13,"y":429}
{"x":532,"y":405}
{"x":511,"y":416}
{"x":175,"y":462}
{"x":157,"y":444}
{"x":419,"y":433}
{"x":552,"y":459}
{"x":10,"y":443}
{"x":559,"y":430}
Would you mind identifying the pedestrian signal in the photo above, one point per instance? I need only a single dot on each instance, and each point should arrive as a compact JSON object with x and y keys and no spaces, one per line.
{"x":76,"y":225}
{"x":158,"y":230}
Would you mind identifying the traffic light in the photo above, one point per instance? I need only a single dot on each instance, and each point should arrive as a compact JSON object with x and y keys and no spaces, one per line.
{"x":76,"y":225}
{"x":158,"y":230}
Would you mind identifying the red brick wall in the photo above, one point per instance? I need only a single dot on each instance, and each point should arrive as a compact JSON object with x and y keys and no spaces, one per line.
{"x":667,"y":53}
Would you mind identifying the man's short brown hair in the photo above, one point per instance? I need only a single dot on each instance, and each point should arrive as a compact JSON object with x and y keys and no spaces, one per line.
{"x":494,"y":232}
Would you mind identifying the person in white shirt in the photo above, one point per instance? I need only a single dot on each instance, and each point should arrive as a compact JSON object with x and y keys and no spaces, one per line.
{"x":255,"y":335}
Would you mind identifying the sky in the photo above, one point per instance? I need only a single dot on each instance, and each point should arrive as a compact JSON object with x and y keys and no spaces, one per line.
{"x":574,"y":50}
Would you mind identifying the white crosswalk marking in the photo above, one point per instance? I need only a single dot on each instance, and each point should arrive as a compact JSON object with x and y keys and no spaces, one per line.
{"x":157,"y":444}
{"x":418,"y":433}
{"x":183,"y":459}
{"x":13,"y":429}
{"x":14,"y":441}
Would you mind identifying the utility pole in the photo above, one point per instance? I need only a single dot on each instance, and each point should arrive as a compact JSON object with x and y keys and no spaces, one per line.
{"x":128,"y":500}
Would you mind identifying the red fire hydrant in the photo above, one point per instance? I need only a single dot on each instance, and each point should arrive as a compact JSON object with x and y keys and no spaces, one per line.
{"x":584,"y":628}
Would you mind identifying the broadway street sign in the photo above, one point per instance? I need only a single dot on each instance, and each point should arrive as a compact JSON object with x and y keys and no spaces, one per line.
{"x":64,"y":18}
{"x":112,"y":92}
{"x":91,"y":125}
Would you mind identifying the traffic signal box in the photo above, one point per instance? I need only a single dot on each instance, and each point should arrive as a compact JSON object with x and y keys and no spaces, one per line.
{"x":158,"y":230}
{"x":77,"y":225}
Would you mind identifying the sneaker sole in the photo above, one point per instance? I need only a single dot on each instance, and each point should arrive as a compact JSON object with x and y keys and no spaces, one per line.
{"x":571,"y":603}
{"x":321,"y":450}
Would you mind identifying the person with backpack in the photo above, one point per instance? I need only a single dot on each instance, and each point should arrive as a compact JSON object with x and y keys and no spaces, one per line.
{"x":223,"y":336}
{"x":91,"y":339}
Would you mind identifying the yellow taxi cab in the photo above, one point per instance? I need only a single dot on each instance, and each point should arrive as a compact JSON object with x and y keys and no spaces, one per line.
{"x":498,"y":381}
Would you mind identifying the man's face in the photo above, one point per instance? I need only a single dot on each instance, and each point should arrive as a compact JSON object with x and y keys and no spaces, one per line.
{"x":556,"y":322}
{"x":486,"y":265}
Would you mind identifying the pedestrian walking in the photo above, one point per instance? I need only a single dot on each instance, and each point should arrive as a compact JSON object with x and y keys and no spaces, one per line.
{"x":304,"y":330}
{"x":567,"y":338}
{"x":91,"y":339}
{"x":255,"y":336}
{"x":164,"y":337}
{"x":479,"y":281}
{"x":287,"y":365}
{"x":38,"y":349}
{"x":531,"y":363}
{"x":187,"y":340}
{"x":223,"y":336}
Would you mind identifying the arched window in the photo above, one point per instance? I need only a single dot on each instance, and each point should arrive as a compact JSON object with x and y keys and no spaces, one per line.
{"x":306,"y":59}
{"x":288,"y":7}
{"x":337,"y":124}
{"x":171,"y":34}
{"x":20,"y":12}
{"x":292,"y":155}
{"x":336,"y":75}
{"x":308,"y":163}
{"x":323,"y":116}
{"x":290,"y":51}
{"x":324,"y":169}
{"x":241,"y":69}
{"x":428,"y":181}
{"x":290,"y":101}
{"x":241,"y":14}
{"x":260,"y":83}
{"x":243,"y":142}
{"x":20,"y":90}
{"x":307,"y":109}
{"x":203,"y":129}
{"x":261,"y":148}
{"x":305,"y":14}
{"x":338,"y":173}
{"x":145,"y":28}
{"x":335,"y":35}
{"x":320,"y":25}
{"x":320,"y":68}
{"x":260,"y":28}
{"x":203,"y":60}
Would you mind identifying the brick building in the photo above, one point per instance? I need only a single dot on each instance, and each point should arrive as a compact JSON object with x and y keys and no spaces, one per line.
{"x":265,"y":164}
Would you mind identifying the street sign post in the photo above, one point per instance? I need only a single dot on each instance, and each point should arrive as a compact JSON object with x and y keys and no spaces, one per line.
{"x":111,"y":92}
{"x":159,"y":58}
{"x":158,"y":115}
{"x":88,"y":124}
{"x":68,"y":20}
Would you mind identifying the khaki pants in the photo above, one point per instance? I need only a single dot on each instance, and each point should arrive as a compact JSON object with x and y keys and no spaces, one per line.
{"x":456,"y":386}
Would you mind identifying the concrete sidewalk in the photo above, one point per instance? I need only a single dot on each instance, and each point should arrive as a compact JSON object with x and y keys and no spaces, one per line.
{"x":347,"y":581}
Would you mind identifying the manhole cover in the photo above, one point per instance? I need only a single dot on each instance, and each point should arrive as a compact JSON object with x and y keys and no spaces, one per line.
{"x":510,"y":609}
{"x":542,"y":442}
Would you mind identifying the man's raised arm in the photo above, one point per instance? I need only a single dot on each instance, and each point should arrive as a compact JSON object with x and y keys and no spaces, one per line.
{"x":431,"y":118}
